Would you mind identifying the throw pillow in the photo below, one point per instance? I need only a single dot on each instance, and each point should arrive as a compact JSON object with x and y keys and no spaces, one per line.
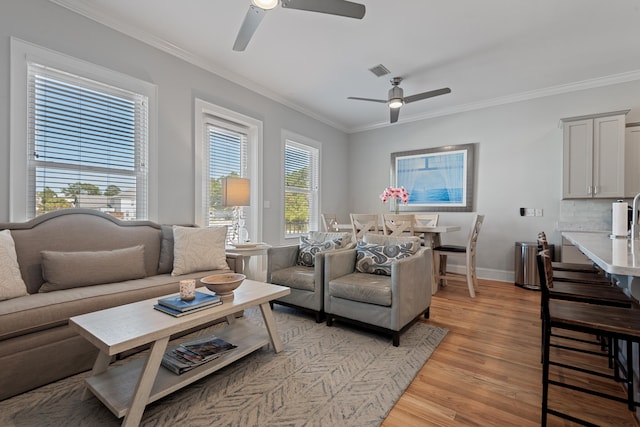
{"x":65,"y":270}
{"x":309,"y":248}
{"x":377,"y":259}
{"x":198,"y":249}
{"x":11,"y":283}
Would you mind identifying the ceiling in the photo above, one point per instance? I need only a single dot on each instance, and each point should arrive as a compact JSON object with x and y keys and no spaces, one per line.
{"x":489,"y":52}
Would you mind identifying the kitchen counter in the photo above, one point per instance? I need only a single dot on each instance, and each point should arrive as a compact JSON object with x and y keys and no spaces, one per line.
{"x":619,"y":257}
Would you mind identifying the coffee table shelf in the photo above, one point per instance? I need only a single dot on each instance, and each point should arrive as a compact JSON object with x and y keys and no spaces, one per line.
{"x":115,"y":387}
{"x":126,"y":389}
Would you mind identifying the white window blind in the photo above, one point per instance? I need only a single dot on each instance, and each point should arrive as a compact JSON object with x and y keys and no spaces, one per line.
{"x":300,"y":188}
{"x":226,"y":156}
{"x":88,"y":145}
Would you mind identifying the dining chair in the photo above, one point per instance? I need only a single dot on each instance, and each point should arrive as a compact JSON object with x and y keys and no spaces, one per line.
{"x":616,"y":324}
{"x":328,"y":221}
{"x":398,"y":224}
{"x":442,"y":252}
{"x":429,"y":220}
{"x":363,"y":223}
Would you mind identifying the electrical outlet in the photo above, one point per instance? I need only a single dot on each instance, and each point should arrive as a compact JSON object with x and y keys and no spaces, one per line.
{"x":538,"y":212}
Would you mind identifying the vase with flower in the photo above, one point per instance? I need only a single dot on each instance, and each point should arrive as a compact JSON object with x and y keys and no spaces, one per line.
{"x":396,"y":195}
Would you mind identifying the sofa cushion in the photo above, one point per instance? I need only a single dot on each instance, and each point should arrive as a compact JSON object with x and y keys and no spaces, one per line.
{"x":377,"y":259}
{"x":298,"y":277}
{"x":165,"y":262}
{"x":11,"y":283}
{"x":309,"y":248}
{"x":46,"y":310}
{"x":64,"y":270}
{"x":198,"y":249}
{"x":363,"y":288}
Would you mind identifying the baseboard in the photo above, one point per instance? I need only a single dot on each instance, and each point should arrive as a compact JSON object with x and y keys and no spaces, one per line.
{"x":486,"y":273}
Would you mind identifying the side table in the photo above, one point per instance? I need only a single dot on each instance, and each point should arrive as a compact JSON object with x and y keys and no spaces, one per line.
{"x":246,"y":251}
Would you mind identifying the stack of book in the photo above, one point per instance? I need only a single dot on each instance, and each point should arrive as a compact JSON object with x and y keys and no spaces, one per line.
{"x":177,"y":307}
{"x":190,"y":354}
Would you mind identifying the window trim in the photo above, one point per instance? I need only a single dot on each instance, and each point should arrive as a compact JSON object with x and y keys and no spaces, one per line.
{"x":206,"y":112}
{"x":23,"y":52}
{"x":302,"y":140}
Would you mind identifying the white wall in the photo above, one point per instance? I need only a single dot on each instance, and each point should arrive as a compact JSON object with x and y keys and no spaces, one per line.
{"x":179,"y":83}
{"x":518,"y":164}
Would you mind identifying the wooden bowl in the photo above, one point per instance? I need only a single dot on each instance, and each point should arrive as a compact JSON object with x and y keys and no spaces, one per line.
{"x":223,"y":284}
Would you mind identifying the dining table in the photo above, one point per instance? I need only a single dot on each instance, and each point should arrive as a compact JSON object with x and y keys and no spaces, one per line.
{"x":431,"y":234}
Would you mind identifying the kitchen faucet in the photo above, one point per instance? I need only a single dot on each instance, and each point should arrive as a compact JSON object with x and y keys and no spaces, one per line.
{"x":634,"y":218}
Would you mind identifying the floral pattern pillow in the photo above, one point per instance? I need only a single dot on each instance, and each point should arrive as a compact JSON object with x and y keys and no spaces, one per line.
{"x":309,"y":248}
{"x":377,"y":259}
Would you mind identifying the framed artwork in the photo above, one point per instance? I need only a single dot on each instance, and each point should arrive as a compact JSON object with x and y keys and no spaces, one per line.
{"x":437,"y":179}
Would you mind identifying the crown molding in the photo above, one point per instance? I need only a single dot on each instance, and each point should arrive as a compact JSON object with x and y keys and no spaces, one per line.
{"x":518,"y":97}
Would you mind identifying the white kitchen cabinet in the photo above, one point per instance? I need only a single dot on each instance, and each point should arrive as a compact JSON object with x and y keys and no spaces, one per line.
{"x":594,"y":156}
{"x":632,"y":160}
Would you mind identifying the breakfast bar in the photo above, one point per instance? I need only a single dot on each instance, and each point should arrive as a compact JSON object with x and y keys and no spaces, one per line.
{"x":619,"y":257}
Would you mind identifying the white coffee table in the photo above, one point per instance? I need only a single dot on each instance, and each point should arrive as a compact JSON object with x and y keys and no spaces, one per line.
{"x":128,"y":388}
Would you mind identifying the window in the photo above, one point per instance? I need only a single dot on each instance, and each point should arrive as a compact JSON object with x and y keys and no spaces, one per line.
{"x":87,"y":145}
{"x":80,"y":137}
{"x":301,"y":165}
{"x":228,"y":144}
{"x":227,"y":157}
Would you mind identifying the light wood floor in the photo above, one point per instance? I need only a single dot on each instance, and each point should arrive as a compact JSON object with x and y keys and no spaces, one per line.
{"x":487,"y":370}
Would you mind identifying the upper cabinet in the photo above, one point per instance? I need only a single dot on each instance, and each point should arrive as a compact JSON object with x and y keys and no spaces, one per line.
{"x":594,"y":156}
{"x":632,"y":160}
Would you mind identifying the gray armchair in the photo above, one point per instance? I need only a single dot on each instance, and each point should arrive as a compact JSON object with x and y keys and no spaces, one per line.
{"x":386,"y":303}
{"x":306,"y":282}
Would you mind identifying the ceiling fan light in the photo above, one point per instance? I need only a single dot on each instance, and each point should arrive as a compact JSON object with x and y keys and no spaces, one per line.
{"x":395,"y":103}
{"x":265,"y":4}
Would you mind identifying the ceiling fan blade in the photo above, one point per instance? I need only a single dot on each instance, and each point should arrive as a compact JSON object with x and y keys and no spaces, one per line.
{"x":395,"y":113}
{"x":425,"y":95}
{"x":332,"y":7}
{"x":249,"y":25}
{"x":384,"y":101}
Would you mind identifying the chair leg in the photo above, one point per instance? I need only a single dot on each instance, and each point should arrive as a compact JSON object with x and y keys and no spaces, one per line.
{"x":471,"y":277}
{"x":442,"y":273}
{"x":427,"y":312}
{"x":329,"y":320}
{"x":396,"y":339}
{"x":546,"y":332}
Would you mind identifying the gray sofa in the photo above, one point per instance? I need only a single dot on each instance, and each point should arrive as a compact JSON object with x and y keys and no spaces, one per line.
{"x":36,"y":344}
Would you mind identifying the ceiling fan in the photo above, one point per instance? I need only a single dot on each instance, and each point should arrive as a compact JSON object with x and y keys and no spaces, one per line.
{"x":397,"y":100}
{"x":258,"y":8}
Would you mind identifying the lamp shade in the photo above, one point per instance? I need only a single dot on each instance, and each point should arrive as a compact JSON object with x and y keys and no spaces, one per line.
{"x":236,"y":192}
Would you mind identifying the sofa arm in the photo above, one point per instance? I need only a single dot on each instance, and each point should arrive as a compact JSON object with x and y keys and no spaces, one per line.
{"x":411,"y":285}
{"x":279,"y":257}
{"x":234,"y":261}
{"x":339,"y":263}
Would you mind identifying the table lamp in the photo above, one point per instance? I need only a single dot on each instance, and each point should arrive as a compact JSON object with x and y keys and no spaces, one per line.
{"x":236,"y":192}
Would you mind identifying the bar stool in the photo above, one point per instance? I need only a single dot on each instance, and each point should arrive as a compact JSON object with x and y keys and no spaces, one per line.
{"x":612,"y":323}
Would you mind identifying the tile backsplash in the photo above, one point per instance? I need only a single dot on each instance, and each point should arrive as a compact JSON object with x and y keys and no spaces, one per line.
{"x":585,"y":215}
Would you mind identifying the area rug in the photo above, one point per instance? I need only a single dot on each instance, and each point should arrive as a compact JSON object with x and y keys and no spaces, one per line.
{"x":325,"y":376}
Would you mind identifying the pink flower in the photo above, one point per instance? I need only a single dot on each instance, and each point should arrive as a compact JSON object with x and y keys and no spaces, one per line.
{"x":395,"y":193}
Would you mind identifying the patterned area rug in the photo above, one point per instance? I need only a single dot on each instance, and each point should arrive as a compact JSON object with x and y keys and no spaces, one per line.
{"x":325,"y":376}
